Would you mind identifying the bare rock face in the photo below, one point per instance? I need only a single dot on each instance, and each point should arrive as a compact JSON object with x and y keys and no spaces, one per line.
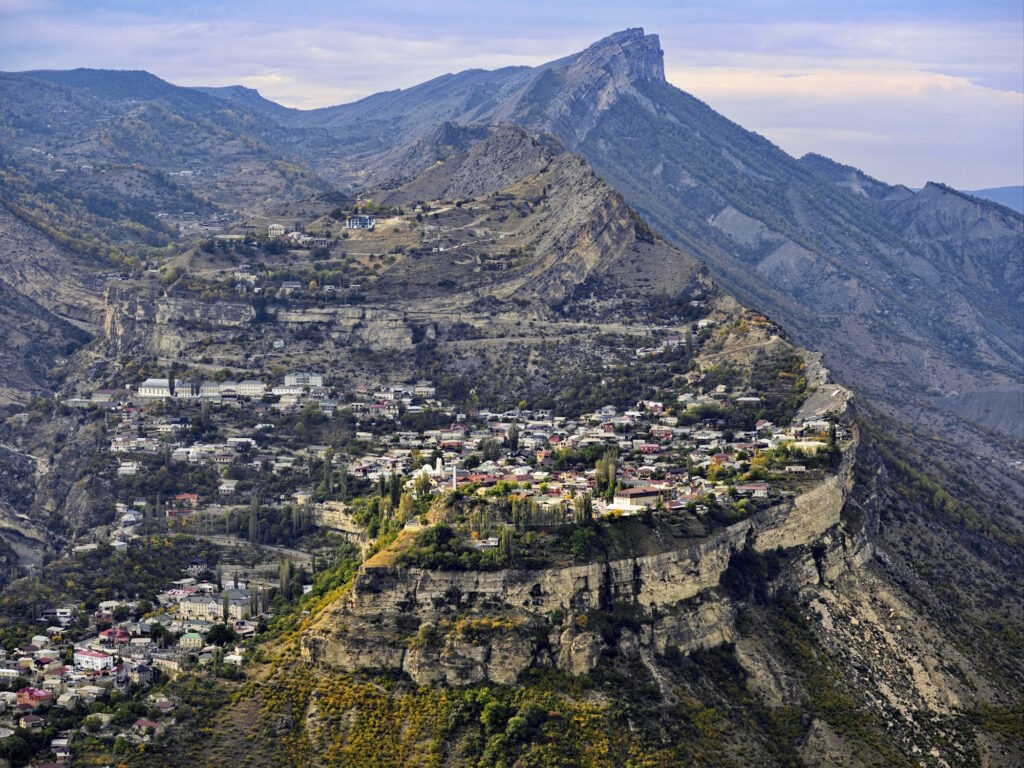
{"x":370,"y":327}
{"x":580,"y":653}
{"x":568,"y":97}
{"x":169,"y":325}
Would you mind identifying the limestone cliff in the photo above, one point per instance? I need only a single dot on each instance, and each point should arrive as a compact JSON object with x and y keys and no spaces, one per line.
{"x":468,"y":626}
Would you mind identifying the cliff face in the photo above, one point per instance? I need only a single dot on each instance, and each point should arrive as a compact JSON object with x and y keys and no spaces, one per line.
{"x":463,"y":627}
{"x":136,"y":319}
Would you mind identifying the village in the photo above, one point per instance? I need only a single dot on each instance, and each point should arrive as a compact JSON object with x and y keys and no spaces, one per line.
{"x":705,"y":444}
{"x":93,"y":672}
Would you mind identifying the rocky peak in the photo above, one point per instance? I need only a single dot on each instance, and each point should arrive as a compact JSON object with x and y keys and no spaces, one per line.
{"x":629,"y":56}
{"x":567,"y":97}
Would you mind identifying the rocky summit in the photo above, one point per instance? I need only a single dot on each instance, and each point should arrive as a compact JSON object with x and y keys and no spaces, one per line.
{"x":527,"y":417}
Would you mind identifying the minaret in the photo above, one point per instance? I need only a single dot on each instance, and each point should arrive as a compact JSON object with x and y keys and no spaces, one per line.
{"x":455,"y":483}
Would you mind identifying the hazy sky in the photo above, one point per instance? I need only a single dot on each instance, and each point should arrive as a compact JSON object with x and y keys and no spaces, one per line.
{"x":907,"y":91}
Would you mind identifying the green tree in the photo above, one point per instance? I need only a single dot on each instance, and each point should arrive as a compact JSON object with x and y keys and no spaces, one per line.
{"x":513,"y":437}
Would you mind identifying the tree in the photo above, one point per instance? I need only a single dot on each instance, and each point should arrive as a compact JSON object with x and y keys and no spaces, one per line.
{"x":284,"y":575}
{"x":506,"y":545}
{"x":158,"y":632}
{"x":583,"y":507}
{"x":329,"y":471}
{"x":406,"y":508}
{"x":343,"y":483}
{"x":513,"y":437}
{"x":605,"y":470}
{"x":491,"y":450}
{"x":170,"y":379}
{"x":221,"y":634}
{"x":395,"y":489}
{"x":254,"y":519}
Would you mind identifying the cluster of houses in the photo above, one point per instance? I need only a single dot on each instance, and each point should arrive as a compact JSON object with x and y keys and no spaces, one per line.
{"x":659,"y":461}
{"x":662,"y":459}
{"x":51,"y":671}
{"x":296,"y":237}
{"x":140,"y":431}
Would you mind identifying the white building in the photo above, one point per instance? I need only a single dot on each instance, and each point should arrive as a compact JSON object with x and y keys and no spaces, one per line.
{"x":275,"y":230}
{"x":93,"y":660}
{"x":303,"y":379}
{"x":360,"y":222}
{"x":251,"y":388}
{"x":157,"y":388}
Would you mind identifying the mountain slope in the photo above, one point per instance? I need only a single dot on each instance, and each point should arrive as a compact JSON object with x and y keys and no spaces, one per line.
{"x":867,"y":276}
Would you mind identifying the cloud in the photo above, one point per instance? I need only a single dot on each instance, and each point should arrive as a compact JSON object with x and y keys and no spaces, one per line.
{"x":894,"y":118}
{"x":927,"y":92}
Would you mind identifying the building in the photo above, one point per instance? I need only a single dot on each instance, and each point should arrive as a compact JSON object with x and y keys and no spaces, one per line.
{"x":191,"y":641}
{"x":211,"y":608}
{"x":94,"y":661}
{"x":251,"y":388}
{"x":34,"y":697}
{"x":157,"y":388}
{"x":635,"y":499}
{"x":275,"y":230}
{"x":360,"y":222}
{"x":303,"y":379}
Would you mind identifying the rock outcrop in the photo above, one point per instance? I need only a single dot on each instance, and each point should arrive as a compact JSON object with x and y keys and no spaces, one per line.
{"x":467,"y":626}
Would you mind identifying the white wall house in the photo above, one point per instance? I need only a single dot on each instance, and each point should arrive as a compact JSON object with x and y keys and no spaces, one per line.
{"x":303,"y":379}
{"x":93,"y":660}
{"x":251,"y":388}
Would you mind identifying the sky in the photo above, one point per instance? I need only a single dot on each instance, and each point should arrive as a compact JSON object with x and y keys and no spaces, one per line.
{"x":907,"y":91}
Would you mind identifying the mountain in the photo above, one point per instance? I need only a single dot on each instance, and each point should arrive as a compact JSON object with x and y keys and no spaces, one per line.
{"x":565,"y":236}
{"x":915,"y":297}
{"x":1011,"y":197}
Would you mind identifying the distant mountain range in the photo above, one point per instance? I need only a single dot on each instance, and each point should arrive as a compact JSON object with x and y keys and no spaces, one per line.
{"x":1011,"y":197}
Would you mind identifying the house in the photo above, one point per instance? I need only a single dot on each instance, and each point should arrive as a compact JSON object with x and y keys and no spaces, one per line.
{"x":144,"y":726}
{"x":275,"y":230}
{"x":251,"y":388}
{"x":303,"y":379}
{"x":757,"y":490}
{"x":633,"y":499}
{"x":360,"y":222}
{"x":155,"y":388}
{"x":34,"y":697}
{"x":69,"y":700}
{"x":187,"y":500}
{"x":94,"y":661}
{"x":29,"y":722}
{"x":141,"y":674}
{"x":128,"y":469}
{"x":104,"y":396}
